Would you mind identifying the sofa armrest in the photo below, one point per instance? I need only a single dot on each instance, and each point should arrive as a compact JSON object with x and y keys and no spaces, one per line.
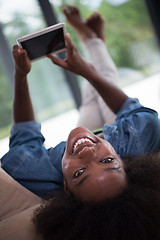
{"x":19,"y":226}
{"x":14,"y":198}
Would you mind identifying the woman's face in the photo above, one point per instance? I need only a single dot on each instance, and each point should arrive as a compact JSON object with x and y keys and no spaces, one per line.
{"x":92,"y":169}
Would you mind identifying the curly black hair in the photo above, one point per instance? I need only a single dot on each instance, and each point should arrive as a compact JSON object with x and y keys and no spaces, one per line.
{"x":132,"y":215}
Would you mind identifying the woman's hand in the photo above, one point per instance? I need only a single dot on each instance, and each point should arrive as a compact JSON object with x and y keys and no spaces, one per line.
{"x":74,"y":62}
{"x":22,"y":62}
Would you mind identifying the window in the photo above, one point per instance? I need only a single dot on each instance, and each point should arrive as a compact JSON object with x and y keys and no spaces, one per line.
{"x":50,"y":92}
{"x":6,"y":104}
{"x":131,"y":42}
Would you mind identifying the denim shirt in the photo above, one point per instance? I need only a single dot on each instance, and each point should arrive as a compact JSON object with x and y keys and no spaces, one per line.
{"x":136,"y":130}
{"x":30,"y":163}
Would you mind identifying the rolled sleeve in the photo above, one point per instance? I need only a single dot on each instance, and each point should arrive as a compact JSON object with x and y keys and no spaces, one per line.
{"x":26,"y":133}
{"x":132,"y":106}
{"x":32,"y":125}
{"x":137,"y":129}
{"x":30,"y":163}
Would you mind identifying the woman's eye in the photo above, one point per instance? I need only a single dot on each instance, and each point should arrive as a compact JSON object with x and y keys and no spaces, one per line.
{"x":107,"y":160}
{"x":78,"y":173}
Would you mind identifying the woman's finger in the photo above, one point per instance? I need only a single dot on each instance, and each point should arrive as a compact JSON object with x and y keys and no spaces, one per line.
{"x":58,"y":61}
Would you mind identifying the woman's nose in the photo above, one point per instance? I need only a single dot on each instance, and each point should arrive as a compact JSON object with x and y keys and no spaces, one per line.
{"x":87,"y":152}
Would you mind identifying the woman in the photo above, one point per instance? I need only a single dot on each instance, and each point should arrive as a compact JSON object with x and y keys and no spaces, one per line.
{"x":133,"y":214}
{"x":45,"y":171}
{"x":86,"y":155}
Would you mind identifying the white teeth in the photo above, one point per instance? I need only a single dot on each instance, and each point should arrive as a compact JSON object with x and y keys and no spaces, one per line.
{"x":80,"y":141}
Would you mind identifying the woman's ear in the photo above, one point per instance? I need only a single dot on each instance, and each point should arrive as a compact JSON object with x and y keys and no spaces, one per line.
{"x":66,"y":188}
{"x":65,"y":185}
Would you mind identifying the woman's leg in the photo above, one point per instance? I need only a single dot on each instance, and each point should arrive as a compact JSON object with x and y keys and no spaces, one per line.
{"x":104,"y":64}
{"x":93,"y":112}
{"x":102,"y":60}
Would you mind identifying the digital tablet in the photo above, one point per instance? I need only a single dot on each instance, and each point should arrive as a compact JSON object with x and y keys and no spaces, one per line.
{"x":41,"y":43}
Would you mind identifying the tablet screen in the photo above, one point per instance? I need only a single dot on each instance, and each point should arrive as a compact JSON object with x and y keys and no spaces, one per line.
{"x":42,"y":45}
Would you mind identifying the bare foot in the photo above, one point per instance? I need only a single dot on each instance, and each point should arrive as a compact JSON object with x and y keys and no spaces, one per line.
{"x":96,"y":23}
{"x":76,"y":21}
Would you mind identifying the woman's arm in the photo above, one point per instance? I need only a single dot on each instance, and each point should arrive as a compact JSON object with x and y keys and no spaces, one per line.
{"x":112,"y":95}
{"x":22,"y":105}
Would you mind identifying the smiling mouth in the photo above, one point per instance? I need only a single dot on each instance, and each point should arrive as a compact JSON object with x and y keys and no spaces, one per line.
{"x":82,"y":142}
